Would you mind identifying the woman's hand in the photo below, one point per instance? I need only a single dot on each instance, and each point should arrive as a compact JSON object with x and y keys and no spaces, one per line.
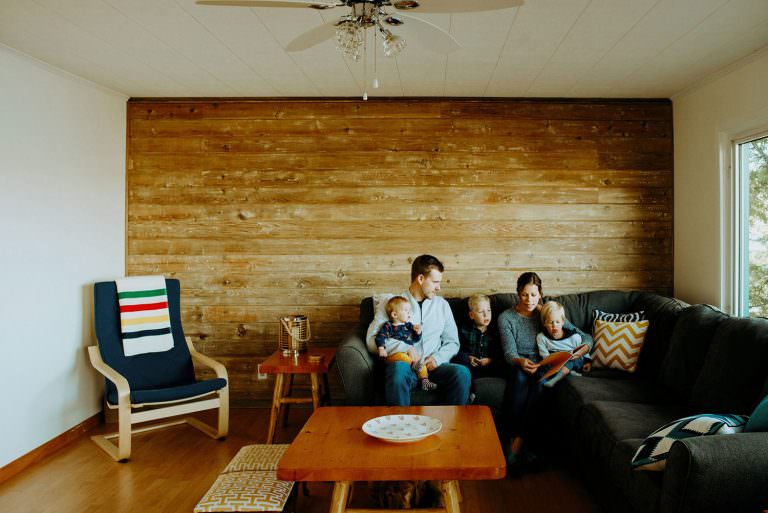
{"x":581,"y":352}
{"x":528,"y":366}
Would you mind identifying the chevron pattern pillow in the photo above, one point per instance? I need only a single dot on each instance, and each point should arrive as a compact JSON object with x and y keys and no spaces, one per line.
{"x":617,"y":344}
{"x":652,"y":454}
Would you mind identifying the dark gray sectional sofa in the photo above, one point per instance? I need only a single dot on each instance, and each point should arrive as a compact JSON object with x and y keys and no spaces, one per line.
{"x":695,"y":359}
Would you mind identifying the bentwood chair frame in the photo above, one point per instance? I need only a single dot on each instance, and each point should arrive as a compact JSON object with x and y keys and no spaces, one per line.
{"x":131,"y":413}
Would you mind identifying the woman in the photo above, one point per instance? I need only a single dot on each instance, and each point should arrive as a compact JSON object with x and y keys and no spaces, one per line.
{"x":518,"y":327}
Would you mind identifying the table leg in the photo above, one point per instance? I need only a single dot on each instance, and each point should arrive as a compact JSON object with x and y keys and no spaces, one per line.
{"x":326,"y":390}
{"x":339,"y":498}
{"x":276,"y":399}
{"x":451,"y":496}
{"x":287,"y":391}
{"x":315,"y":391}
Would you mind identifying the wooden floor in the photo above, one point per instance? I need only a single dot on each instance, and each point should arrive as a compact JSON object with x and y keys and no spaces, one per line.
{"x":171,"y":469}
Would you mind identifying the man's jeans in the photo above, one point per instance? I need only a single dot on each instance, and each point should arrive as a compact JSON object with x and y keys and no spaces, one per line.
{"x":452,"y":380}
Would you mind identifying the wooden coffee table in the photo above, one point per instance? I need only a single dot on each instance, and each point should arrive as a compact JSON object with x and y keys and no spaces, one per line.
{"x":332,"y":447}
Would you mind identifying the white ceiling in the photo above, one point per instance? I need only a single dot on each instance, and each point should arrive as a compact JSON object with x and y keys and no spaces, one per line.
{"x":545,"y":48}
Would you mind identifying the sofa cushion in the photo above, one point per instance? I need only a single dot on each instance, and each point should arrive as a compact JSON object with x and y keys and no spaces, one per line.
{"x":663,"y":313}
{"x":579,"y":307}
{"x":366,"y":314}
{"x":733,"y":376}
{"x":688,"y":349}
{"x":603,"y":424}
{"x":641,"y":491}
{"x":652,"y":453}
{"x":575,"y":392}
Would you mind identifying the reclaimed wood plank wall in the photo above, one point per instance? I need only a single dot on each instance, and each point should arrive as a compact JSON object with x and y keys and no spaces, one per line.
{"x":267,"y":208}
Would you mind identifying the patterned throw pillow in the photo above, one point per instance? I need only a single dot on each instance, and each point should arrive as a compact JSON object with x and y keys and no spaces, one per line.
{"x":246,"y":491}
{"x":617,"y":344}
{"x":256,"y":457}
{"x":617,"y":317}
{"x":652,"y":454}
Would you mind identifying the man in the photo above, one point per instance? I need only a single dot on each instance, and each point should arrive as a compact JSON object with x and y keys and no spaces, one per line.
{"x":439,"y":340}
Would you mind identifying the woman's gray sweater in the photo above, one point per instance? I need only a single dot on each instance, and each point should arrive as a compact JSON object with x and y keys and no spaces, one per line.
{"x":518,"y":335}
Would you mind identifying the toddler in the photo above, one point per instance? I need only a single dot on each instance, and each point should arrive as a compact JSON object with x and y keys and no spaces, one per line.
{"x":477,"y":341}
{"x":556,"y":338}
{"x":396,"y":337}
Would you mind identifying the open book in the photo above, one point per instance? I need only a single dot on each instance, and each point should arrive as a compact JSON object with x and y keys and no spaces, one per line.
{"x":556,"y":361}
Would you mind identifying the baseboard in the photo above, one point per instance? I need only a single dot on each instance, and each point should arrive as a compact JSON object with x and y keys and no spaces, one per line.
{"x":48,"y":448}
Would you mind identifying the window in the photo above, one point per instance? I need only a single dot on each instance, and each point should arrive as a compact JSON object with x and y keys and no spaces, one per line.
{"x":751,"y":226}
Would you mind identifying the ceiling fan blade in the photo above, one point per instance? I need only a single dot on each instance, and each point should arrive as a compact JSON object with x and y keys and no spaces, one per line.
{"x":427,"y":35}
{"x":450,"y":6}
{"x":312,"y":37}
{"x":302,"y":4}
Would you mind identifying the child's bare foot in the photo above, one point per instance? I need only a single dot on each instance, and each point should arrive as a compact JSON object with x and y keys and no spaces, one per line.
{"x":426,"y":384}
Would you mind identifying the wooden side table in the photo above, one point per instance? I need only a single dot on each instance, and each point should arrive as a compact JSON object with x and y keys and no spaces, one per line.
{"x":285,"y":367}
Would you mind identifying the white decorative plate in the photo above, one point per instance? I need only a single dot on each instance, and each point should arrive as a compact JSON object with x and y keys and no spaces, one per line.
{"x":402,"y":428}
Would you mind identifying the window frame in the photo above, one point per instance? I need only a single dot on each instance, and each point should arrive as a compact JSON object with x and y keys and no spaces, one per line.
{"x":735,"y":297}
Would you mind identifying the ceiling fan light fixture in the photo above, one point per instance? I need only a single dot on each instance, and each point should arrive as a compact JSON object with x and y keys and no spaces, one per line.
{"x":393,"y":44}
{"x":349,"y":39}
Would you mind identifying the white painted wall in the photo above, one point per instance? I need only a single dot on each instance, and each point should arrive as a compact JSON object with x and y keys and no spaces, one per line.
{"x":731,"y":103}
{"x":62,"y":227}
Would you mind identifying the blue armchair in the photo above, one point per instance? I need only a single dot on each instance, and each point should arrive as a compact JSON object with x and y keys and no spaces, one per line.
{"x":152,"y":386}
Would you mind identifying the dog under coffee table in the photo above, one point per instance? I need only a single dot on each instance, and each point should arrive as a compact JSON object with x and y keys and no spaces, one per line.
{"x":332,"y":446}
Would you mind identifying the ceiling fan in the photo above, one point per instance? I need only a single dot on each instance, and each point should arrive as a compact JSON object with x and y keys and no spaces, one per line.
{"x":380,"y":15}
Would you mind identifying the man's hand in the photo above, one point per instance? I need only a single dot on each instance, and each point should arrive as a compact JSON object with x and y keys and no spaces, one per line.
{"x":482,"y":362}
{"x":474,"y":361}
{"x":382,"y":352}
{"x":430,"y":363}
{"x":417,"y":329}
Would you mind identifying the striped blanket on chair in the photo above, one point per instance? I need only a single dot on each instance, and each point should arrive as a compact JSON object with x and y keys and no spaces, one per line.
{"x":144,"y":320}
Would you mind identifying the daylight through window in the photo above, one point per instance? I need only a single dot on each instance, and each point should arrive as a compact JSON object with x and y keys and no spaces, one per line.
{"x":752,"y":167}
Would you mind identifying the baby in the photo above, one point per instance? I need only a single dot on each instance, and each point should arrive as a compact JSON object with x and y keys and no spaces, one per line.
{"x":556,"y":337}
{"x":396,"y":337}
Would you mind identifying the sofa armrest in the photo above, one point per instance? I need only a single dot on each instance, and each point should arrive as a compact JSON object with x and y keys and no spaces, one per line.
{"x":717,"y":473}
{"x":355,"y":366}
